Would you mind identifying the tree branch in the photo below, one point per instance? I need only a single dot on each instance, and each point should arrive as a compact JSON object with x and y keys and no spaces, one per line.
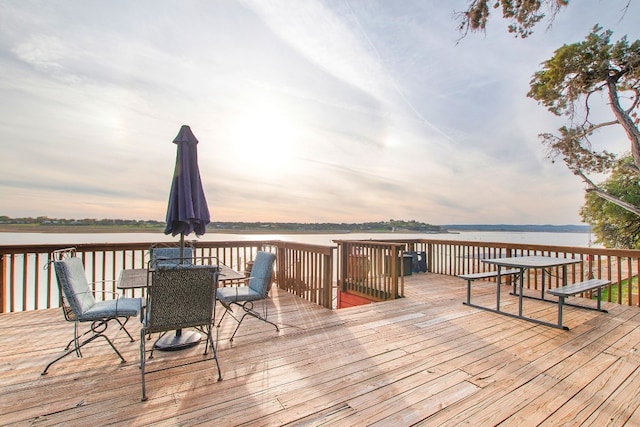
{"x":601,"y":125}
{"x":608,"y":197}
{"x":630,"y":128}
{"x":586,"y":131}
{"x":624,"y":10}
{"x":634,"y":104}
{"x":593,"y":188}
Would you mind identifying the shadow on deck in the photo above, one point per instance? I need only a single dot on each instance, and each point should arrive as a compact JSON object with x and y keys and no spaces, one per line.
{"x":426,"y":359}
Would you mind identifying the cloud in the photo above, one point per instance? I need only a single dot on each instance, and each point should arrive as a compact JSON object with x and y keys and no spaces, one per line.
{"x":307,"y":111}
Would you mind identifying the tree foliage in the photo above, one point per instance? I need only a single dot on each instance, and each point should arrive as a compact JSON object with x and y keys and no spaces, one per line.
{"x":568,"y":84}
{"x":614,"y":226}
{"x":523,"y":15}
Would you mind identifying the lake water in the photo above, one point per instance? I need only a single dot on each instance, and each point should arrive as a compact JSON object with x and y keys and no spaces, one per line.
{"x":64,"y":239}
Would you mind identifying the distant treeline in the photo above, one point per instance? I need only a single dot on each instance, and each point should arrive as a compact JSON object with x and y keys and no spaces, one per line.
{"x":381,"y":226}
{"x":292,"y":227}
{"x":43,"y":220}
{"x":519,"y":228}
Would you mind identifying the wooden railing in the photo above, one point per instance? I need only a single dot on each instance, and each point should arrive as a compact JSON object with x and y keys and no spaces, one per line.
{"x":306,"y":271}
{"x":312,"y":272}
{"x":26,"y":282}
{"x":371,"y":269}
{"x":453,"y":258}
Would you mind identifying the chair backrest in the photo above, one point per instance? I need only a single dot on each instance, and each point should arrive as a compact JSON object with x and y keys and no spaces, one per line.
{"x":74,"y":288}
{"x":170,"y":256}
{"x":261,"y":272}
{"x":181,"y":296}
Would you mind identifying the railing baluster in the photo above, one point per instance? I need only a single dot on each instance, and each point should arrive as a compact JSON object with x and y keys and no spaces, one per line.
{"x":25,"y":291}
{"x":36,"y":279}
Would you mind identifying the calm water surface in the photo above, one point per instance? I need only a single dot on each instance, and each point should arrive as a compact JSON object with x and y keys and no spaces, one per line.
{"x":64,"y":239}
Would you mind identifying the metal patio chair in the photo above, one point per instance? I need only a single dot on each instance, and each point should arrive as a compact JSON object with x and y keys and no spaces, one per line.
{"x":159,"y":254}
{"x":180,"y":296}
{"x":257,"y":289}
{"x":163,"y":254}
{"x":79,"y":305}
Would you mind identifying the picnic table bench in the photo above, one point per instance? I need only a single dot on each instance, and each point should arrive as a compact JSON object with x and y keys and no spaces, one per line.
{"x":484,"y":275}
{"x":578,"y":288}
{"x":521,"y":265}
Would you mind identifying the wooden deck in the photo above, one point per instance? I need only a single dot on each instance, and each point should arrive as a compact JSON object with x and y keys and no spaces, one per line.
{"x":426,"y":359}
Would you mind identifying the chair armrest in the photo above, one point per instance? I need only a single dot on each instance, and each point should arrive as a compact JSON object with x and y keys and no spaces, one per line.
{"x":99,"y":291}
{"x":103,"y":282}
{"x":236,"y":282}
{"x":113,"y":294}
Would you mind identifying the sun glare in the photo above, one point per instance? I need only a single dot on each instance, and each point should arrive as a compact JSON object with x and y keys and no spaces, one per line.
{"x":264,"y":138}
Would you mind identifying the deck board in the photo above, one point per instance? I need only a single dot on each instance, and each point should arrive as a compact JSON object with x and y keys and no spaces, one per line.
{"x":426,"y":359}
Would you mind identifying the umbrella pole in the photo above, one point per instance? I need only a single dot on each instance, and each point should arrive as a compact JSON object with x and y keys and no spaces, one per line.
{"x":180,"y":340}
{"x":179,"y":331}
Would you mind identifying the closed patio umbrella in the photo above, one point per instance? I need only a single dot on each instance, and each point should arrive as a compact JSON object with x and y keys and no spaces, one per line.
{"x":187,"y":212}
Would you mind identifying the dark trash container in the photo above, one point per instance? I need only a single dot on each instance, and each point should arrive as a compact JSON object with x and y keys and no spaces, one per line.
{"x":418,"y":261}
{"x":407,"y":263}
{"x":403,"y":266}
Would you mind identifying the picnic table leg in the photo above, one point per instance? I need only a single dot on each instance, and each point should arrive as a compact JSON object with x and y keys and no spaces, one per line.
{"x":498,"y":290}
{"x":560,"y":306}
{"x":469,"y":292}
{"x":521,"y":285}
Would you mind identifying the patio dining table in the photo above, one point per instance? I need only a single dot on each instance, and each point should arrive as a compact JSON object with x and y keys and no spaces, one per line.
{"x":134,"y":278}
{"x":525,"y":263}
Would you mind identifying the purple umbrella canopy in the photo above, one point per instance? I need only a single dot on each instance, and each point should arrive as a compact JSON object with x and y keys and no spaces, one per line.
{"x":187,"y":211}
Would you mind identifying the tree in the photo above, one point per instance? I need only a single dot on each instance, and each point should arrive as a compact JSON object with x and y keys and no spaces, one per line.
{"x":568,"y":84}
{"x":522,"y":14}
{"x":612,"y":225}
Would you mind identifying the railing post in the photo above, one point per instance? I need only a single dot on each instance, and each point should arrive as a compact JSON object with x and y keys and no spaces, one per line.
{"x":280,"y":263}
{"x":327,"y":282}
{"x":395,"y":256}
{"x":344,"y":250}
{"x":3,"y":282}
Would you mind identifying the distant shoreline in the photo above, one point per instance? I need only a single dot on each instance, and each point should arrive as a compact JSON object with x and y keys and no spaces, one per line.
{"x":97,"y":229}
{"x":446,"y":229}
{"x":38,"y":228}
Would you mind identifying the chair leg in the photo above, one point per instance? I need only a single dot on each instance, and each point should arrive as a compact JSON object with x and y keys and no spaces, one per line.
{"x":123,"y":328}
{"x":142,"y":362}
{"x":94,"y":326}
{"x":82,"y":344}
{"x":76,"y":339}
{"x":153,"y":347}
{"x":214,"y":351}
{"x":209,"y":342}
{"x":227,"y":308}
{"x":249,"y":311}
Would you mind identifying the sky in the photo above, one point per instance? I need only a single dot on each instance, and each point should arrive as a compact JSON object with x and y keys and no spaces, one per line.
{"x":305,"y":111}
